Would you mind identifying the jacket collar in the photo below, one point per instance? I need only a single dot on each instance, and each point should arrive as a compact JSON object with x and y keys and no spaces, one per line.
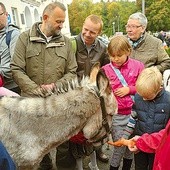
{"x":82,"y":45}
{"x":123,"y":65}
{"x":36,"y":35}
{"x":160,"y":94}
{"x":138,"y":42}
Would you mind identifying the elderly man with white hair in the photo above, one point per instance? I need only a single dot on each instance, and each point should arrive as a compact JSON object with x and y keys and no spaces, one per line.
{"x":146,"y":48}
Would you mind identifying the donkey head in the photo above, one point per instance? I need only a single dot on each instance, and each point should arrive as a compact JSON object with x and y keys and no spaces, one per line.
{"x":95,"y":129}
{"x":99,"y":79}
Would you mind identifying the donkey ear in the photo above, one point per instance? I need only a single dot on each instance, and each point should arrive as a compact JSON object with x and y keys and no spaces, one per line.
{"x":102,"y":82}
{"x":94,"y":71}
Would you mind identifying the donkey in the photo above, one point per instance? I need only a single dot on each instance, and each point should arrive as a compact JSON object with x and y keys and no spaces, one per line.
{"x":31,"y":127}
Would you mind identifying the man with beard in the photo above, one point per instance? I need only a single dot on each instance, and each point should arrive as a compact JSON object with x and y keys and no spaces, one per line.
{"x":43,"y":59}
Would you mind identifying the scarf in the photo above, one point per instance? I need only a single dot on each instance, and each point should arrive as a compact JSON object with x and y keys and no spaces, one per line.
{"x":135,"y":44}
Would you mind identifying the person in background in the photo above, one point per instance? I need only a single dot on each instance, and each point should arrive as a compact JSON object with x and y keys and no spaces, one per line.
{"x":1,"y":81}
{"x":7,"y":50}
{"x":88,"y":50}
{"x":146,"y":48}
{"x":122,"y":72}
{"x":151,"y":112}
{"x":161,"y":36}
{"x":6,"y":162}
{"x":167,"y":40}
{"x":44,"y":59}
{"x":158,"y":143}
{"x":4,"y":91}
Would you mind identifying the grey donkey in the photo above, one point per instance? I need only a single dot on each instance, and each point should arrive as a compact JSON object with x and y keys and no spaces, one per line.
{"x":31,"y":127}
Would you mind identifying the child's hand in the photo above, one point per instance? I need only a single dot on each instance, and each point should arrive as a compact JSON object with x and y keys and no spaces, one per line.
{"x":123,"y":142}
{"x":134,"y":148}
{"x":121,"y":92}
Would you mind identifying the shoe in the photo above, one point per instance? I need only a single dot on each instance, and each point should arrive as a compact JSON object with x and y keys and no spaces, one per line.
{"x":93,"y":167}
{"x":102,"y":157}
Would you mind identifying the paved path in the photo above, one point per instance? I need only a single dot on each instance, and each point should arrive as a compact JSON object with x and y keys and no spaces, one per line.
{"x":103,"y":166}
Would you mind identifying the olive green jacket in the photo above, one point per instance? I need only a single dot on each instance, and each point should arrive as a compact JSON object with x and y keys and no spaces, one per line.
{"x":36,"y":61}
{"x":151,"y":52}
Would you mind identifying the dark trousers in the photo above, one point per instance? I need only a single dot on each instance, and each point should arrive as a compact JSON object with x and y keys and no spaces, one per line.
{"x":64,"y":158}
{"x":16,"y":90}
{"x":144,"y":161}
{"x":46,"y":163}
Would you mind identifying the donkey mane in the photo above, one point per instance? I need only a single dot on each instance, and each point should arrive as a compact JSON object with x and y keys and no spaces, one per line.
{"x":74,"y":83}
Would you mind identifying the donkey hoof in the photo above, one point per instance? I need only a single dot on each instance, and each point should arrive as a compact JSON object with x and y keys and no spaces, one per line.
{"x":93,"y":167}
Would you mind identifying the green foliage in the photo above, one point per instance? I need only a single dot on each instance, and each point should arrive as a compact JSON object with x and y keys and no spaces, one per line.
{"x":168,"y":51}
{"x":157,"y":12}
{"x":78,"y":10}
{"x":117,"y":12}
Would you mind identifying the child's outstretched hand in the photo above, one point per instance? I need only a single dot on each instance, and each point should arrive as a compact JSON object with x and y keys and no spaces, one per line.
{"x":134,"y":148}
{"x":123,"y":142}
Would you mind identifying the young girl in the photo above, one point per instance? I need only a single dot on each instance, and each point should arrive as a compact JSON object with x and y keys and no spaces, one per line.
{"x":122,"y":72}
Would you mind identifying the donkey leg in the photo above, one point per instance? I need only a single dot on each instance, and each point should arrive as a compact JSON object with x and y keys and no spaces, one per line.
{"x":64,"y":158}
{"x":79,"y":163}
{"x":93,"y":163}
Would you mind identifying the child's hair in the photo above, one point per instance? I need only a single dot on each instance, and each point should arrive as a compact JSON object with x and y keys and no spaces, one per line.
{"x":149,"y":81}
{"x":119,"y":45}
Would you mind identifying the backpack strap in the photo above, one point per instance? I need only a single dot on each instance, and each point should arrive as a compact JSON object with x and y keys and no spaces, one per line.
{"x":74,"y":44}
{"x":8,"y":34}
{"x":8,"y":37}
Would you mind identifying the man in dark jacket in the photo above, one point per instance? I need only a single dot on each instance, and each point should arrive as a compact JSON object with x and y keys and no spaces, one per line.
{"x":89,"y":50}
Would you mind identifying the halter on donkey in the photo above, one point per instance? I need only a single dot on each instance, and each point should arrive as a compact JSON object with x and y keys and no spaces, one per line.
{"x":31,"y":127}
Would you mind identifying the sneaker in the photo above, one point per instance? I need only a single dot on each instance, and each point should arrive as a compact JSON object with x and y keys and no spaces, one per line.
{"x":93,"y":167}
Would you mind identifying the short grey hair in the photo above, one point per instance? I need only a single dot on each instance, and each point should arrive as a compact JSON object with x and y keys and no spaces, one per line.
{"x":3,"y":7}
{"x":52,"y":6}
{"x":140,"y":17}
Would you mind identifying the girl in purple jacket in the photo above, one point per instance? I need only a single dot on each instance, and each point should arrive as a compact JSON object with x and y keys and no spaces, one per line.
{"x":122,"y":71}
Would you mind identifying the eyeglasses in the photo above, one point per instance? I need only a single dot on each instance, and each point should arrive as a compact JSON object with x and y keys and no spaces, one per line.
{"x":2,"y":13}
{"x":132,"y":26}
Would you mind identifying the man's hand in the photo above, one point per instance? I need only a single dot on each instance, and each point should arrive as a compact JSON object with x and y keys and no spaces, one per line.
{"x":48,"y":87}
{"x":44,"y":90}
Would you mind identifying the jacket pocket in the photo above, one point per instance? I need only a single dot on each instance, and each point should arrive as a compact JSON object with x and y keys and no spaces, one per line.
{"x":61,"y":52}
{"x":32,"y":62}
